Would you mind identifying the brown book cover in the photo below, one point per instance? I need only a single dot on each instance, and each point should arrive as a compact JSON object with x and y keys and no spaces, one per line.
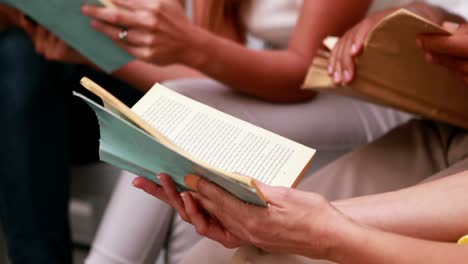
{"x":392,"y":71}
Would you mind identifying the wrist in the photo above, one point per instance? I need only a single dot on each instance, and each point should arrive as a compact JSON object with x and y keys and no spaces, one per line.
{"x":196,"y":55}
{"x":352,"y":244}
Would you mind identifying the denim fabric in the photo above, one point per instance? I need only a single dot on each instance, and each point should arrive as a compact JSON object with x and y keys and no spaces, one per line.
{"x":41,"y":125}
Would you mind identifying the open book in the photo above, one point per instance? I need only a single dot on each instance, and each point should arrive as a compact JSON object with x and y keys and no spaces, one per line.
{"x":168,"y":132}
{"x":392,"y":71}
{"x":64,"y":19}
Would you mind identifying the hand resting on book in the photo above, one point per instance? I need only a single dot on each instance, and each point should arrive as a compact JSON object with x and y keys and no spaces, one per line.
{"x":159,"y":32}
{"x":296,"y":222}
{"x":341,"y":66}
{"x":50,"y":46}
{"x":449,"y":51}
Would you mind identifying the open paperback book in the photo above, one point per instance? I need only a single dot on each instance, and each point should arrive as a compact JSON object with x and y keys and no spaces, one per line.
{"x":64,"y":19}
{"x":392,"y":71}
{"x":168,"y":132}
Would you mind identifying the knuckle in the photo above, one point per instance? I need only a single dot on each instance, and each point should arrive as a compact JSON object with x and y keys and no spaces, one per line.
{"x":147,"y":54}
{"x":185,"y":218}
{"x":152,"y":23}
{"x":118,"y":17}
{"x":201,"y":230}
{"x":150,"y":40}
{"x":155,"y":7}
{"x":113,"y":18}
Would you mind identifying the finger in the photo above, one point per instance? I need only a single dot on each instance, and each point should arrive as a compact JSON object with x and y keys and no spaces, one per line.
{"x":274,"y":195}
{"x":209,"y":190}
{"x":337,"y":78}
{"x":133,"y":5}
{"x":50,"y":46}
{"x":39,"y":39}
{"x":120,"y":17}
{"x":230,"y":211}
{"x":207,"y":226}
{"x":111,"y":31}
{"x":135,"y":37}
{"x":173,"y":195}
{"x":196,"y":216}
{"x":333,"y":58}
{"x":450,"y":26}
{"x":150,"y":188}
{"x":347,"y":62}
{"x":454,"y":64}
{"x":359,"y":39}
{"x":27,"y":25}
{"x":454,"y":45}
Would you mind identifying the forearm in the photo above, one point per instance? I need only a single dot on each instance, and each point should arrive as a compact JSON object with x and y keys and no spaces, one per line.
{"x":365,"y":245}
{"x":149,"y":74}
{"x":436,"y":210}
{"x":270,"y":75}
{"x":277,"y":75}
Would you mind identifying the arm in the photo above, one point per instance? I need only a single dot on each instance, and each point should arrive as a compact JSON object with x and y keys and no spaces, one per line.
{"x":306,"y":224}
{"x":365,"y":245}
{"x":143,"y":75}
{"x":139,"y":74}
{"x":436,"y":210}
{"x":272,"y":75}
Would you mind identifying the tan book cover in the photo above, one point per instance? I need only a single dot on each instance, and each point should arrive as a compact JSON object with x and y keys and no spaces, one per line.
{"x":392,"y":71}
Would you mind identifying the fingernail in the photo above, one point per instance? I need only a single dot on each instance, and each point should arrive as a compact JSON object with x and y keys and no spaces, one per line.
{"x":192,"y":181}
{"x":330,"y":70}
{"x":337,"y":77}
{"x":451,"y":26}
{"x":183,"y":194}
{"x":347,"y":76}
{"x":158,"y":176}
{"x":354,"y":49}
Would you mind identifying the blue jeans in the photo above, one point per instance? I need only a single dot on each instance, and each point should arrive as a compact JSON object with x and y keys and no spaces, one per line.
{"x":41,"y":127}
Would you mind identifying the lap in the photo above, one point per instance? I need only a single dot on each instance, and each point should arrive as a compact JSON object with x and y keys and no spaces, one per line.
{"x":416,"y":152}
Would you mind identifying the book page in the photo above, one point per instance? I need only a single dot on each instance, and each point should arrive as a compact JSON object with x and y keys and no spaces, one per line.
{"x":221,"y":140}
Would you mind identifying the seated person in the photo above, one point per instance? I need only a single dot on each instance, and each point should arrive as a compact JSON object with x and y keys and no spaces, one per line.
{"x":45,"y":130}
{"x":412,"y":181}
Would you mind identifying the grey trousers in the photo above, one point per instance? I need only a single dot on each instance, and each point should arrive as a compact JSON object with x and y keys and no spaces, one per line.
{"x":410,"y":154}
{"x":136,"y":226}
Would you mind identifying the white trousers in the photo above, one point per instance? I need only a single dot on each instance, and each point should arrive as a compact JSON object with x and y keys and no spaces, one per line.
{"x":136,"y":226}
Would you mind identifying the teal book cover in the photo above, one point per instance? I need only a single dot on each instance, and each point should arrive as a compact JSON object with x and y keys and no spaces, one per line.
{"x":64,"y":19}
{"x":128,"y":147}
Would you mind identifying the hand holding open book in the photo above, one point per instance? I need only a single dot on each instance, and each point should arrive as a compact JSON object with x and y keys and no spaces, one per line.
{"x":392,"y":70}
{"x":166,"y":132}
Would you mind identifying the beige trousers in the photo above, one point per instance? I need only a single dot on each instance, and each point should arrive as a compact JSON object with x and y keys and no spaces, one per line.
{"x":410,"y":154}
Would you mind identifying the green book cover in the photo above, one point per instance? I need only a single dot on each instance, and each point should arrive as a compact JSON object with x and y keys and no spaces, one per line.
{"x":64,"y":19}
{"x":128,"y":147}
